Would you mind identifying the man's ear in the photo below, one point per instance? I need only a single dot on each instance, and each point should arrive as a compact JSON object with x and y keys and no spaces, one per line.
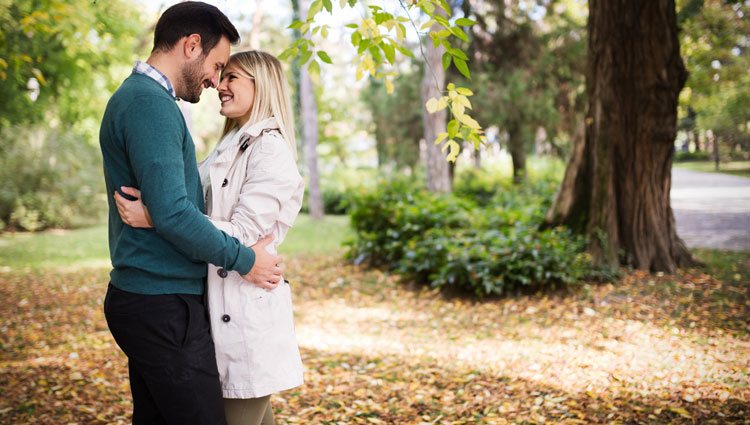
{"x":192,"y":46}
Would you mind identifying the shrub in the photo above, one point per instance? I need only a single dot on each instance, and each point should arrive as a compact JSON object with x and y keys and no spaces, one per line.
{"x":447,"y":241}
{"x":692,"y":156}
{"x":50,"y":179}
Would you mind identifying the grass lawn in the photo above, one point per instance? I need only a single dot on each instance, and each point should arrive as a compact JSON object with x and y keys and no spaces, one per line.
{"x":88,"y":247}
{"x":737,"y":168}
{"x":656,"y":349}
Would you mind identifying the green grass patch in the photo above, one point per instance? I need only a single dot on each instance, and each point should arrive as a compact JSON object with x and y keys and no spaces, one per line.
{"x":729,"y":266}
{"x":88,"y":247}
{"x":736,"y":168}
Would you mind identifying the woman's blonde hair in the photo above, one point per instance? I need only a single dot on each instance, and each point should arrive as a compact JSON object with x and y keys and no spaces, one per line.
{"x":271,"y":93}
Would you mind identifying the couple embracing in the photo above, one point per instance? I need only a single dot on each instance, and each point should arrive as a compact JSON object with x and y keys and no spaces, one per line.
{"x":196,"y":299}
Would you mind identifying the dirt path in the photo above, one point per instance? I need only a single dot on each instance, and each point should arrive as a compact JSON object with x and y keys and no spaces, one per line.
{"x":712,"y":210}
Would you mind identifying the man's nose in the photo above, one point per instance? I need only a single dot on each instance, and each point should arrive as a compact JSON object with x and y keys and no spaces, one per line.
{"x":215,"y":81}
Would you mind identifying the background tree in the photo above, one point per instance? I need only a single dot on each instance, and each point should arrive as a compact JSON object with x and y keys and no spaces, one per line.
{"x":717,"y":52}
{"x":397,"y":118}
{"x":59,"y":58}
{"x":617,"y":185}
{"x":309,"y":124}
{"x":433,"y":83}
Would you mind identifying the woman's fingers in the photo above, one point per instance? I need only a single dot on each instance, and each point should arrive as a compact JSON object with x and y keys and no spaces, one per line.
{"x":119,"y":202}
{"x":131,"y":191}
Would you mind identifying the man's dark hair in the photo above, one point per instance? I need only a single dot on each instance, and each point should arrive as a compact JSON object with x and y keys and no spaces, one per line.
{"x":193,"y":17}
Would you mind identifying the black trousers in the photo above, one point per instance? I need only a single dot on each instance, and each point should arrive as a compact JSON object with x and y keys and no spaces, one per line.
{"x":171,"y":358}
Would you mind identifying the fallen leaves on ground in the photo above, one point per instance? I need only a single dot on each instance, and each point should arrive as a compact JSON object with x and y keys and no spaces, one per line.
{"x":648,"y":349}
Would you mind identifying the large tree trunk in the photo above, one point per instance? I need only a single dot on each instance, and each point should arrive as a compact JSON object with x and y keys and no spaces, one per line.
{"x":617,"y":184}
{"x":309,"y":115}
{"x":433,"y":82}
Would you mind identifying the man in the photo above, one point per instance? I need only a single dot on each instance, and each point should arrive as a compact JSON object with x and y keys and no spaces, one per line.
{"x":154,"y":303}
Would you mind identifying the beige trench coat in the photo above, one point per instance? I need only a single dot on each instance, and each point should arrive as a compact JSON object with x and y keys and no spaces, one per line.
{"x":255,"y":192}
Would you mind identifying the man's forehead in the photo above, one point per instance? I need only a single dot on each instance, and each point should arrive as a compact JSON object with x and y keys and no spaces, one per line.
{"x":220,"y":53}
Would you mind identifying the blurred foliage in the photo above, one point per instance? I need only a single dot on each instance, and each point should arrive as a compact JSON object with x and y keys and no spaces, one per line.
{"x":51,"y":178}
{"x":716,"y":50}
{"x":529,"y":72}
{"x":58,"y":59}
{"x":397,"y":118}
{"x":339,"y":186}
{"x":450,"y":243}
{"x":58,"y":64}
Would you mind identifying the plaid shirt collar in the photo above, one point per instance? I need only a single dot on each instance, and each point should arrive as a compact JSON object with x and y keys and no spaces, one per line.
{"x":155,"y":74}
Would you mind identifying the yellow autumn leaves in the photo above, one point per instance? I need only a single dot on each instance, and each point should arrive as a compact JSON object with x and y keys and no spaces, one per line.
{"x":462,"y":126}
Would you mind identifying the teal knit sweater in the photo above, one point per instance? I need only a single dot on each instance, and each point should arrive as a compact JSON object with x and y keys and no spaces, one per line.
{"x":145,"y":144}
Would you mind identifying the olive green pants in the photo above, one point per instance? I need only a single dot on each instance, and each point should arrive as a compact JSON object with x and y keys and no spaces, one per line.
{"x":249,"y":411}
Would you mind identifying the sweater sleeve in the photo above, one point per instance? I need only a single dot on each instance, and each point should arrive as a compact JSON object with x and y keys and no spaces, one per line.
{"x":154,"y":143}
{"x":272,"y":183}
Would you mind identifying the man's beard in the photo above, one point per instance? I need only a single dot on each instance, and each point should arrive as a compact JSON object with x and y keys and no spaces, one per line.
{"x":192,"y":81}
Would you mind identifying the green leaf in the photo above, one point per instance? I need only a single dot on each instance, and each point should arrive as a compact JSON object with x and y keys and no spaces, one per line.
{"x":452,"y":128}
{"x":376,"y":56}
{"x":356,"y":38}
{"x":465,"y":22}
{"x":458,"y":32}
{"x":295,"y":25}
{"x":315,"y":7}
{"x":328,"y":6}
{"x":458,"y":53}
{"x":352,"y":3}
{"x":288,"y":53}
{"x":462,"y":67}
{"x":304,"y":55}
{"x":363,"y":45}
{"x":446,"y":60}
{"x":442,"y":21}
{"x":314,"y":70}
{"x":404,"y":51}
{"x":324,"y":57}
{"x":390,"y":52}
{"x":352,"y":26}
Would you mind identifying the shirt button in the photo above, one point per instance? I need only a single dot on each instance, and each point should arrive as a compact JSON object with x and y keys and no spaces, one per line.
{"x":225,"y":318}
{"x":222,"y":273}
{"x":224,"y":183}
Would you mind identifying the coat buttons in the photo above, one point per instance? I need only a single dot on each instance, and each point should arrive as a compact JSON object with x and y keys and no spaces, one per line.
{"x":222,"y":273}
{"x":225,"y":318}
{"x":224,"y":183}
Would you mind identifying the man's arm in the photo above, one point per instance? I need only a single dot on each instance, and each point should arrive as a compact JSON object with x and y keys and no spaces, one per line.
{"x":153,"y":138}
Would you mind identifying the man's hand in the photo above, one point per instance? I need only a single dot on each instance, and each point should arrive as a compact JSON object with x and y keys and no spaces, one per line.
{"x":266,"y":272}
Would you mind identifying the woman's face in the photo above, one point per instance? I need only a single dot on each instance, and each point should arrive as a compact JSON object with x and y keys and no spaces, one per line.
{"x":237,"y":93}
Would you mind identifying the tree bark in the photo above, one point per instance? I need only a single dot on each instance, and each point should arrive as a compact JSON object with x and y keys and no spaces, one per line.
{"x":256,"y":28}
{"x":517,"y":148}
{"x":617,"y":184}
{"x":309,"y":114}
{"x":433,"y":82}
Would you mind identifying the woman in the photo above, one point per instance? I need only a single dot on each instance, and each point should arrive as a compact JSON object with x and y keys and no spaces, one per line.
{"x":252,"y":189}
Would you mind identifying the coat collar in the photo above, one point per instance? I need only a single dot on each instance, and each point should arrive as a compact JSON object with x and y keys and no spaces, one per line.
{"x":252,"y":131}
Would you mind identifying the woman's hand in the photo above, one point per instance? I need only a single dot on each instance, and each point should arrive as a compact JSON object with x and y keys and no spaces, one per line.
{"x":132,"y":213}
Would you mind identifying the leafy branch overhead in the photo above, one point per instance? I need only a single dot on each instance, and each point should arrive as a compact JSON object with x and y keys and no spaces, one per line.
{"x":381,"y":38}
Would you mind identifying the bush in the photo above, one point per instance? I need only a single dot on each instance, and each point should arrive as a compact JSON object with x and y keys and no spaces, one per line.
{"x":50,"y":179}
{"x":337,"y":188}
{"x":692,"y":156}
{"x":449,"y":241}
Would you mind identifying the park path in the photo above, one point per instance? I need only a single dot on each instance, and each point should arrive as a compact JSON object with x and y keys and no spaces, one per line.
{"x":712,"y":210}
